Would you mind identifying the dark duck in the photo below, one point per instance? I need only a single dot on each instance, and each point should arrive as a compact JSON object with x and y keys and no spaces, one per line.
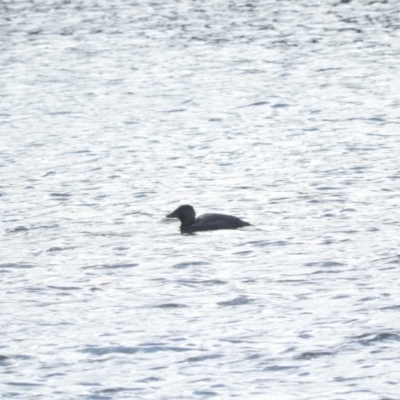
{"x":205,"y":222}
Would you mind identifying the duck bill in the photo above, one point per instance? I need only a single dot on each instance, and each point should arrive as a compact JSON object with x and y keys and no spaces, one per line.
{"x":172,"y":215}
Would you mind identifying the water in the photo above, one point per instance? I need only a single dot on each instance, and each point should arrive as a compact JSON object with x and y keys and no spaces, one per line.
{"x":284,"y":113}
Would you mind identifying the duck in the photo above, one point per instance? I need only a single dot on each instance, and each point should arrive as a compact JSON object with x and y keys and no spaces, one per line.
{"x":206,"y":222}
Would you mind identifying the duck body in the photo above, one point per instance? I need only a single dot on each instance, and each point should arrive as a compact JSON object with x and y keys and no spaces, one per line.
{"x":205,"y":222}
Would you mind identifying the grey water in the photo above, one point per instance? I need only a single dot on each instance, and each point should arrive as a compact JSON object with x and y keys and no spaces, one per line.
{"x":283,"y":113}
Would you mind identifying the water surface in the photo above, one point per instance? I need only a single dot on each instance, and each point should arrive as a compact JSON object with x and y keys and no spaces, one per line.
{"x":283,"y":113}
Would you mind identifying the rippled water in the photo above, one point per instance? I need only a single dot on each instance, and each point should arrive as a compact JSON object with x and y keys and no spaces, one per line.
{"x":284,"y":113}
